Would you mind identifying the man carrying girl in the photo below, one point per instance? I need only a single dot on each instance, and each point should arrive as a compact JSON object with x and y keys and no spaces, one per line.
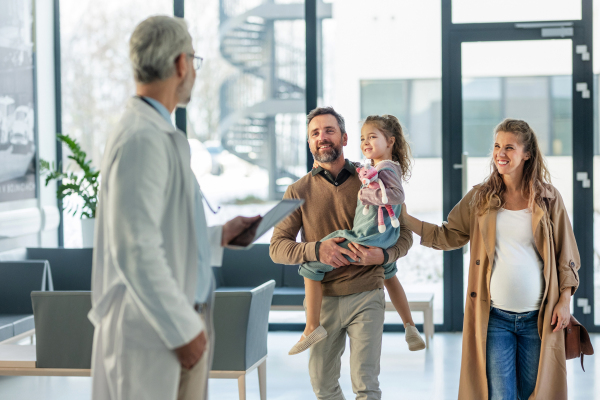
{"x":353,"y":301}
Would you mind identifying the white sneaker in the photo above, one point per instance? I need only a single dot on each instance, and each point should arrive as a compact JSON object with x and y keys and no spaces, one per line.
{"x":315,"y":337}
{"x":413,"y":338}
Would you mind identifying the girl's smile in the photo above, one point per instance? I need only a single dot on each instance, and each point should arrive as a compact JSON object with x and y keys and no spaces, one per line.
{"x":374,"y":144}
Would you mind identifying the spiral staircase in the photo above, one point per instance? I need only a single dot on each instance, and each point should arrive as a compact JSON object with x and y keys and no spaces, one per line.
{"x":262,"y":107}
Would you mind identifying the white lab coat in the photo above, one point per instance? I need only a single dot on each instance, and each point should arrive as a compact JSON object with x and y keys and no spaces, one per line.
{"x":145,"y":259}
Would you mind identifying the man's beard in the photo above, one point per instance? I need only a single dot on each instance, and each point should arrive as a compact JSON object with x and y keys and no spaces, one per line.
{"x":329,"y":156}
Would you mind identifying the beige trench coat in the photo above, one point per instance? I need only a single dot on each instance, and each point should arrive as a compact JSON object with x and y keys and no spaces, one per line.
{"x":555,"y":243}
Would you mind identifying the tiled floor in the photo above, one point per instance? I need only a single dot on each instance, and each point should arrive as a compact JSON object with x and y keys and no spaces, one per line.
{"x":431,"y":374}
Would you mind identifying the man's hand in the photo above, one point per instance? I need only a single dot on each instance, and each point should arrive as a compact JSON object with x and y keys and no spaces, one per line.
{"x":368,"y":255}
{"x":331,"y":253}
{"x":241,"y":229}
{"x":189,"y":354}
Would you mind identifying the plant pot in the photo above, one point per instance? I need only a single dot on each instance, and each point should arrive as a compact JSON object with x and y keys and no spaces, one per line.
{"x":87,"y":232}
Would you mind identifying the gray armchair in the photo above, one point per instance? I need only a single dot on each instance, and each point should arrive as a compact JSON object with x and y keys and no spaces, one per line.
{"x":64,"y":335}
{"x":17,"y":280}
{"x":71,"y":268}
{"x":241,"y":320}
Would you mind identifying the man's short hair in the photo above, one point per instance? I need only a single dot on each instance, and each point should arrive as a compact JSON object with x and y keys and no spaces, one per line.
{"x":327,"y":110}
{"x":154,"y":46}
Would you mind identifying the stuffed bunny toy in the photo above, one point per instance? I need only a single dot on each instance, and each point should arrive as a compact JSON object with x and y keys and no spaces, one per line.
{"x":369,"y":177}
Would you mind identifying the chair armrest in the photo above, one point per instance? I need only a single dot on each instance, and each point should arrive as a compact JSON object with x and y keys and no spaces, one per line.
{"x":230,"y":317}
{"x":19,"y":279}
{"x":258,"y":322}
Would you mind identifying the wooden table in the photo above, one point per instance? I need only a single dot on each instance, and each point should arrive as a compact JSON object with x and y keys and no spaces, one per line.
{"x":19,"y":360}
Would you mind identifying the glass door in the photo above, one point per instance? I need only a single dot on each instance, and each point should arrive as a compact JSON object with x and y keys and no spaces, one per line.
{"x":538,"y":92}
{"x":540,"y":72}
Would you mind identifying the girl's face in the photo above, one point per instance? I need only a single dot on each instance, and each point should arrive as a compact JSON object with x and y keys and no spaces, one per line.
{"x":509,"y":154}
{"x":374,"y":144}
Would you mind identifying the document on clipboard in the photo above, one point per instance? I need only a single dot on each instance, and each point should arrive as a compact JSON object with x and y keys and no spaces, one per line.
{"x":275,"y":215}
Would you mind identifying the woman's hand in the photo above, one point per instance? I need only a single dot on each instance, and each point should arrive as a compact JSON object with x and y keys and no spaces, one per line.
{"x":411,"y":222}
{"x":315,"y":164}
{"x":562,"y":311}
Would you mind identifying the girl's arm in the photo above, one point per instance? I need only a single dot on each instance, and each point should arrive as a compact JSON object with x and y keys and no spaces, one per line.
{"x":393,"y":190}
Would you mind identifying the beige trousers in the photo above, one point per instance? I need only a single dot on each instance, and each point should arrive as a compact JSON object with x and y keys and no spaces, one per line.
{"x":193,"y":383}
{"x":360,"y":316}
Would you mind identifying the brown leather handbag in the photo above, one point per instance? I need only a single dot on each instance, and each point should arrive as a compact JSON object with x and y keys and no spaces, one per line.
{"x":577,"y":341}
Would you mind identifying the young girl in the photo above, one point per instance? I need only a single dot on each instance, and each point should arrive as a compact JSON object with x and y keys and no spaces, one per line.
{"x":383,"y":142}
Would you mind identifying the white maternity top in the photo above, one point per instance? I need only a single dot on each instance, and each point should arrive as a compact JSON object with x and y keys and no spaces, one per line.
{"x":517,"y":282}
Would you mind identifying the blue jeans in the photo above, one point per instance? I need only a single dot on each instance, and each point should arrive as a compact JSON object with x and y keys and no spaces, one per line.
{"x":513,"y":354}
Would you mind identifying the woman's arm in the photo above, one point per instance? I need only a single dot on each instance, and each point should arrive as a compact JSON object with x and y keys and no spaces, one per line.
{"x":411,"y":222}
{"x":452,"y":234}
{"x":567,"y":253}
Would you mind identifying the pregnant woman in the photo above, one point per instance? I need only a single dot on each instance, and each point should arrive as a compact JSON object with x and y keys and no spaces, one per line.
{"x":522,"y":273}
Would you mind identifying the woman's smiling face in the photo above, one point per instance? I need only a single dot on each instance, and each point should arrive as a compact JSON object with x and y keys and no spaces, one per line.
{"x":509,"y":154}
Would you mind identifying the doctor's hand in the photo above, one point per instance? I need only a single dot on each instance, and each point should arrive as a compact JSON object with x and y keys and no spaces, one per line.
{"x":331,"y":253}
{"x":189,"y":354}
{"x":240,"y":231}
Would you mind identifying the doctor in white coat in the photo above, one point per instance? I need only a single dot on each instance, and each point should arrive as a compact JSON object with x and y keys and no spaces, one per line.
{"x":153,"y":250}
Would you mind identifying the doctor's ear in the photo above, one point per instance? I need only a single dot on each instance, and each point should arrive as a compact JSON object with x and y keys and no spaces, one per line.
{"x":181,"y":65}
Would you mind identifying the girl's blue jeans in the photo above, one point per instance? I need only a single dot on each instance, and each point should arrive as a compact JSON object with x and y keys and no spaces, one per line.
{"x":513,"y":354}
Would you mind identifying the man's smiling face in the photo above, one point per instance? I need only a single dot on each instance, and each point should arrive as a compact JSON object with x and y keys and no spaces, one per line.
{"x":325,"y":139}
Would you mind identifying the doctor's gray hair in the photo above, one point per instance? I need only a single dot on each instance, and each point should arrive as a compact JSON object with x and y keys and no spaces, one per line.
{"x":155,"y":45}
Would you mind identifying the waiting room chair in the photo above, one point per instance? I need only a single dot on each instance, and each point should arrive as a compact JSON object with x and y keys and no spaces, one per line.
{"x":64,"y":334}
{"x":17,"y":280}
{"x":241,"y":320}
{"x":71,"y":268}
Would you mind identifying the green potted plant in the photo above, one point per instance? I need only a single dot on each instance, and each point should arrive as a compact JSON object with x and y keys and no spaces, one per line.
{"x":85,"y":184}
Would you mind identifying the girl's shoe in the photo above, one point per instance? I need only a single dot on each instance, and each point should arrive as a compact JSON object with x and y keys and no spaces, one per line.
{"x":315,"y":337}
{"x":413,"y":338}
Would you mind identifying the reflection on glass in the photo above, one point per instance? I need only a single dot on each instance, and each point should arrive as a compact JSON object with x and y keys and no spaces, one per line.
{"x":475,"y":11}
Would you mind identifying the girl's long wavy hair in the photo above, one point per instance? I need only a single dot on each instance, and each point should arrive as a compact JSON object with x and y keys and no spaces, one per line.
{"x":390,"y":126}
{"x":490,"y":194}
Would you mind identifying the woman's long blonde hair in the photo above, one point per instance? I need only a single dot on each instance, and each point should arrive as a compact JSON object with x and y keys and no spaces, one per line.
{"x":490,"y":194}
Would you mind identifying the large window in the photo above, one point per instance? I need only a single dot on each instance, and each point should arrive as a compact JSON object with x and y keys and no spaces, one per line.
{"x":366,"y":73}
{"x":246,"y":121}
{"x":465,"y":11}
{"x":97,"y":79}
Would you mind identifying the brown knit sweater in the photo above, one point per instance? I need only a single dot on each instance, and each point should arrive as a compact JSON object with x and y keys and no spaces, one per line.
{"x":328,"y":208}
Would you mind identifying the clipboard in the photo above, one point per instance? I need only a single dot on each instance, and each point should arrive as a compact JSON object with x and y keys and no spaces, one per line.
{"x":275,"y":215}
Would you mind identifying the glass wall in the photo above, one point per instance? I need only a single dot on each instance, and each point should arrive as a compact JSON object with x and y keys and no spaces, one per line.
{"x":96,"y":76}
{"x":365,"y":73}
{"x":544,"y":101}
{"x":465,"y":11}
{"x":246,"y":118}
{"x":596,"y":171}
